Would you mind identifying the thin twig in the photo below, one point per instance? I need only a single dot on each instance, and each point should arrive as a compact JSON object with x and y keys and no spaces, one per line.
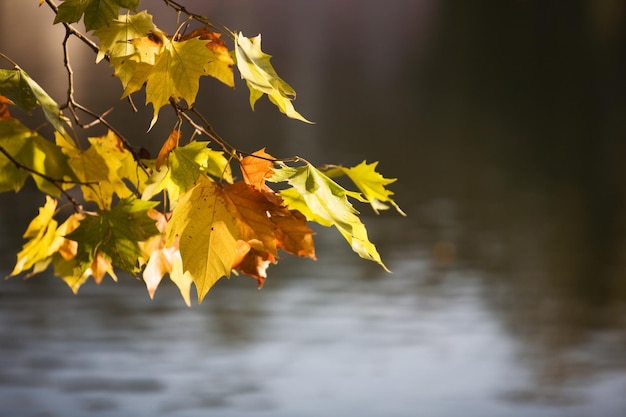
{"x":127,"y":145}
{"x":199,"y":18}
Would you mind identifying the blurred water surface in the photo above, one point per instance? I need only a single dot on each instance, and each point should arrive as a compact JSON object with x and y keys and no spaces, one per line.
{"x":504,"y":122}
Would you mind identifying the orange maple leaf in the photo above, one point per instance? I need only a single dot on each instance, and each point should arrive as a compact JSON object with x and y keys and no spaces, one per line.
{"x":293,"y":235}
{"x":4,"y":108}
{"x":216,"y":45}
{"x":250,"y":207}
{"x":170,"y":144}
{"x":253,"y":262}
{"x":256,"y":168}
{"x":100,"y":267}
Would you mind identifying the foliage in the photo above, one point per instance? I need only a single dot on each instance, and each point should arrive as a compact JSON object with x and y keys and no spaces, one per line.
{"x":184,"y":213}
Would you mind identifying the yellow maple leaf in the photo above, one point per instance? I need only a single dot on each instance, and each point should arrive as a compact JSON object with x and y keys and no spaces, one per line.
{"x":207,"y":233}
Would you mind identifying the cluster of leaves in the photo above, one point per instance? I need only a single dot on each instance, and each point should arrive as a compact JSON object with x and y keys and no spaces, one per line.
{"x":185,"y":213}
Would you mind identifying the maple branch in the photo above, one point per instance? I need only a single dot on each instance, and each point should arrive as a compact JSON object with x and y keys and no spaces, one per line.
{"x":206,"y":130}
{"x":72,"y":30}
{"x":77,"y":206}
{"x":127,"y":145}
{"x":179,"y":8}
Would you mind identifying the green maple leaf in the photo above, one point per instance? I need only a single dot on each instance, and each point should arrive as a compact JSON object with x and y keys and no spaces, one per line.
{"x":34,"y":152}
{"x":261,"y":77}
{"x":115,"y":233}
{"x":117,"y":36}
{"x":97,"y":13}
{"x":185,"y":165}
{"x":27,"y":94}
{"x":371,"y":183}
{"x":324,"y":201}
{"x":207,"y":232}
{"x":15,"y":86}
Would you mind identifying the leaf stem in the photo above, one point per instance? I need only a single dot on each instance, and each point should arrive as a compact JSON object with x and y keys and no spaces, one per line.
{"x":9,"y":59}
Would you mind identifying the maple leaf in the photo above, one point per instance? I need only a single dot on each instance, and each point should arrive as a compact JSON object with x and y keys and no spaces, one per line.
{"x":104,"y":169}
{"x":133,"y":70}
{"x":324,"y":201}
{"x":4,"y":108}
{"x":261,"y":77}
{"x":207,"y":233}
{"x":370,"y":183}
{"x":46,"y":239}
{"x":34,"y":152}
{"x":97,"y":13}
{"x":115,"y":38}
{"x":185,"y":165}
{"x":164,"y":259}
{"x":22,"y":90}
{"x":42,"y":233}
{"x":220,"y":65}
{"x":250,"y":209}
{"x":293,"y":235}
{"x":115,"y":234}
{"x":253,"y":262}
{"x":170,"y":143}
{"x":176,"y":73}
{"x":256,"y":168}
{"x":100,"y":266}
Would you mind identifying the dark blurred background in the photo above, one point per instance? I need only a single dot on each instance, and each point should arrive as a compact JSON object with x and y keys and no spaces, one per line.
{"x":504,"y":124}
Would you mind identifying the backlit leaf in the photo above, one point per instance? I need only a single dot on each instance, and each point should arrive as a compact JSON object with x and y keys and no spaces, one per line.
{"x":293,"y":235}
{"x":46,"y":240}
{"x":116,"y":37}
{"x":106,"y":168}
{"x":163,"y":260}
{"x":176,"y":73}
{"x":115,"y":234}
{"x":261,"y":77}
{"x":97,"y":13}
{"x":16,"y":85}
{"x":321,"y":199}
{"x":185,"y":164}
{"x":253,"y":262}
{"x":371,"y":183}
{"x":220,"y":65}
{"x":42,"y":233}
{"x":34,"y":152}
{"x":170,"y":143}
{"x":207,"y":233}
{"x":256,"y":168}
{"x":250,"y":209}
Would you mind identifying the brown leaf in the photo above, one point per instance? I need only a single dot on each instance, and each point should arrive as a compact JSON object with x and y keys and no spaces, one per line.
{"x":292,"y":233}
{"x":256,"y":168}
{"x":170,"y":144}
{"x":250,"y":208}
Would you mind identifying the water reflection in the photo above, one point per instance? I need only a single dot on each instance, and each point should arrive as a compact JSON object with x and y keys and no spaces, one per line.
{"x":504,"y":125}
